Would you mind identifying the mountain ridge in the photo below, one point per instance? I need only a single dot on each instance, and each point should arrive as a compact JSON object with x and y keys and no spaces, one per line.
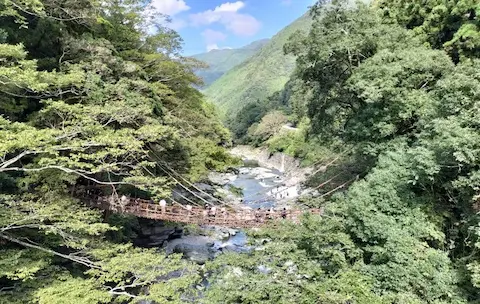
{"x":266,"y":72}
{"x":221,"y":61}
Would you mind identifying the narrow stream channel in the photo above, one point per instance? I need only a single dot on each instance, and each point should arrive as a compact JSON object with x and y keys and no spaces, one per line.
{"x":259,"y":189}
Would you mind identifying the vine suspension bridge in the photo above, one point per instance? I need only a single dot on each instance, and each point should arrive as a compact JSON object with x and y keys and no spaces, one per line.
{"x":223,"y":214}
{"x":215,"y":216}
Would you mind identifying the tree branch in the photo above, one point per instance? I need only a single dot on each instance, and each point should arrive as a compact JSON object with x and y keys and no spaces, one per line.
{"x":17,"y":158}
{"x":123,"y":293}
{"x":13,"y":227}
{"x":67,"y":170}
{"x":82,"y":261}
{"x":45,"y":16}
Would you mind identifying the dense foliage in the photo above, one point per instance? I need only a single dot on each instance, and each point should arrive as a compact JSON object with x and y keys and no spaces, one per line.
{"x":397,"y":85}
{"x":95,"y":98}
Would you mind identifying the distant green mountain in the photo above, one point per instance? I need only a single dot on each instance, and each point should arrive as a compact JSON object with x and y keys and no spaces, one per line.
{"x":260,"y":76}
{"x":221,"y":61}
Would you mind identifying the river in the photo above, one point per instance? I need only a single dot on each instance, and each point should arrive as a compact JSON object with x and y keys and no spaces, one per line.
{"x":260,"y":188}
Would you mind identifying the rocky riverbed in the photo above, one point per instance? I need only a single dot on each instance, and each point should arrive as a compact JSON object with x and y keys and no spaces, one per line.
{"x":255,"y":187}
{"x":262,"y":183}
{"x":265,"y":181}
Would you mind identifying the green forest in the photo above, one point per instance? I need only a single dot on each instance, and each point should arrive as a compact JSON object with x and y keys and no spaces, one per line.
{"x":221,"y":61}
{"x":385,"y":96}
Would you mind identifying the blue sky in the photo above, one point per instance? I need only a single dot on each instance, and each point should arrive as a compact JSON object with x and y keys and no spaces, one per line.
{"x":213,"y":24}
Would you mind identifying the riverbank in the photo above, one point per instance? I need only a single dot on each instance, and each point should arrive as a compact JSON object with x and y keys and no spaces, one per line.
{"x":294,"y":175}
{"x":255,"y":187}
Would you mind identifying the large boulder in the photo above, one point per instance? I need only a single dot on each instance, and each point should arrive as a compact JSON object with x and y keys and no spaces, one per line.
{"x":221,"y":179}
{"x":199,"y":254}
{"x":154,"y":233}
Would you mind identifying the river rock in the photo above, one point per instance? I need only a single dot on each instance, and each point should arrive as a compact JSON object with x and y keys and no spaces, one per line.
{"x":252,"y":163}
{"x":219,"y":233}
{"x":205,"y":187}
{"x":150,"y":233}
{"x":221,"y":179}
{"x":264,"y":269}
{"x":177,"y":233}
{"x":157,"y":241}
{"x":261,"y":173}
{"x":228,"y":197}
{"x":244,"y":170}
{"x":233,"y":248}
{"x":199,"y":254}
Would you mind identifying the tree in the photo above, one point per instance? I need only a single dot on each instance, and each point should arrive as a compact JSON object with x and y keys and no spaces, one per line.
{"x":406,"y":230}
{"x":271,"y":124}
{"x":99,"y":108}
{"x":451,"y":25}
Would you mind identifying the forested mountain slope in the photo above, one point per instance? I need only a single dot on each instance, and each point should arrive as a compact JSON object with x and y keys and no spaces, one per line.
{"x":387,"y":99}
{"x":260,"y":76}
{"x":221,"y":61}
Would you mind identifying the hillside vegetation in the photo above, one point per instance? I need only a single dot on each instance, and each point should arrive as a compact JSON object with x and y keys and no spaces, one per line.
{"x":92,"y":106}
{"x":383,"y":102}
{"x":386,"y":99}
{"x":260,"y":76}
{"x":221,"y":61}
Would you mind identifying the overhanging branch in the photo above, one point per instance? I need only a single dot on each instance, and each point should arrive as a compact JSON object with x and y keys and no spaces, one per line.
{"x":67,"y":170}
{"x":17,"y":158}
{"x":75,"y":259}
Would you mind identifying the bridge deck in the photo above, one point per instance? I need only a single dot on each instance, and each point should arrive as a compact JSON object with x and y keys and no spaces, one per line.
{"x":241,"y":218}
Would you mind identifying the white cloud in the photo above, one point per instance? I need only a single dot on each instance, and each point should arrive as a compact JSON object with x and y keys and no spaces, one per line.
{"x":211,"y":47}
{"x":212,"y":38}
{"x":228,"y":15}
{"x":161,"y":13}
{"x":214,"y":46}
{"x":230,"y":7}
{"x":286,"y":2}
{"x":169,"y":7}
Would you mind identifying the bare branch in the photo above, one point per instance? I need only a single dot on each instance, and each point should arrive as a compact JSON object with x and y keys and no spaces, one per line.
{"x":13,"y":227}
{"x":122,"y":293}
{"x":67,"y":170}
{"x":75,"y":259}
{"x":17,"y":158}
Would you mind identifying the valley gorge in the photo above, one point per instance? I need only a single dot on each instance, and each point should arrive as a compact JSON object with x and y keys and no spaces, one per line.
{"x":339,"y":159}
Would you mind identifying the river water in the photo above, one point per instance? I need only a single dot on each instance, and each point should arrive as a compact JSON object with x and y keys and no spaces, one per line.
{"x":260,"y":187}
